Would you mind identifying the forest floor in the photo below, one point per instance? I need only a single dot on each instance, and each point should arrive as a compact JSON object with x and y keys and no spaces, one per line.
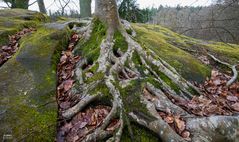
{"x":217,"y":99}
{"x":197,"y":61}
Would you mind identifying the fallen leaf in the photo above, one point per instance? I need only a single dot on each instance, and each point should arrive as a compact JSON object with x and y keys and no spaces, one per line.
{"x":236,"y":107}
{"x":185,"y":134}
{"x":65,"y":105}
{"x":67,"y":85}
{"x":114,"y":125}
{"x":180,"y":124}
{"x":232,"y":98}
{"x":169,"y":119}
{"x":81,"y":125}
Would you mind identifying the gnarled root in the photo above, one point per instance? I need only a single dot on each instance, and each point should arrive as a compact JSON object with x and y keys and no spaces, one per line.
{"x":117,"y":72}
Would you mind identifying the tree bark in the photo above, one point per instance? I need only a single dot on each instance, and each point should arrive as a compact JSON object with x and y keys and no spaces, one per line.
{"x":41,"y":6}
{"x":85,"y":8}
{"x":107,"y":12}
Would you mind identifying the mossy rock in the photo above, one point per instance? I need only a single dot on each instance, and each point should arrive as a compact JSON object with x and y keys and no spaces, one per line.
{"x":13,"y":20}
{"x":28,"y":105}
{"x":166,"y":44}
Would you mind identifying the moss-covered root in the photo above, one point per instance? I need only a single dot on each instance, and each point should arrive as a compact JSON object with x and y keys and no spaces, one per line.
{"x":126,"y":77}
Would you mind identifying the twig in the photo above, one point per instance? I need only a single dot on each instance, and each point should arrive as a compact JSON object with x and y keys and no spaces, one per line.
{"x":232,"y":67}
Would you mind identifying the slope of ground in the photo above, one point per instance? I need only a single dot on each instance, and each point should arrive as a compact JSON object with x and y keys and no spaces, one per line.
{"x":182,"y":52}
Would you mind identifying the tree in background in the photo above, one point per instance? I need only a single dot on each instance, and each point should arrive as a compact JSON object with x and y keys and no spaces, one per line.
{"x":85,"y":8}
{"x":130,"y":11}
{"x":41,"y":6}
{"x":24,"y":4}
{"x":218,"y":22}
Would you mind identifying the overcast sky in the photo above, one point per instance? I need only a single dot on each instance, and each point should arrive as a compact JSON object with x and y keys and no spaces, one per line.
{"x":142,"y":3}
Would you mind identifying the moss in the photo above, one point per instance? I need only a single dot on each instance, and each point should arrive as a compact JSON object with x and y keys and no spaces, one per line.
{"x":129,"y":31}
{"x":226,"y":52}
{"x":138,"y":64}
{"x":23,"y":14}
{"x":140,"y":133}
{"x":14,"y":20}
{"x":90,"y":49}
{"x":30,"y":85}
{"x":40,"y":115}
{"x":167,"y":43}
{"x":95,"y":77}
{"x":120,"y":42}
{"x":166,"y":79}
{"x":159,"y":42}
{"x":94,"y":68}
{"x":131,"y":96}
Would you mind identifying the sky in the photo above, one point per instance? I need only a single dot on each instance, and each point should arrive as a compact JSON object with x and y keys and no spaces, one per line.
{"x":142,"y":4}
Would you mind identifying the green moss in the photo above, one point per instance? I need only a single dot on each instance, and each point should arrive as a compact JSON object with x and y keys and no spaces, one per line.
{"x":14,"y":20}
{"x":166,"y":79}
{"x":131,"y":96}
{"x":166,"y":44}
{"x":90,"y":49}
{"x":129,"y":31}
{"x":23,"y":14}
{"x":30,"y":82}
{"x":140,"y":134}
{"x":94,"y":68}
{"x":95,"y":77}
{"x":157,"y":39}
{"x":120,"y":42}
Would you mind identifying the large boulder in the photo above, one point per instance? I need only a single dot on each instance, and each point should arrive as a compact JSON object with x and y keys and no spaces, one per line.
{"x":13,"y":20}
{"x":28,"y":107}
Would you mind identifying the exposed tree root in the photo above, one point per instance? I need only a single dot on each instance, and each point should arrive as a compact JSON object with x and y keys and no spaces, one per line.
{"x":232,"y":67}
{"x":116,"y":71}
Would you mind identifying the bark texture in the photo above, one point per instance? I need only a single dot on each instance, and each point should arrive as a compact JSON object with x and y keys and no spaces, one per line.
{"x":41,"y":6}
{"x":106,"y":11}
{"x":85,"y":8}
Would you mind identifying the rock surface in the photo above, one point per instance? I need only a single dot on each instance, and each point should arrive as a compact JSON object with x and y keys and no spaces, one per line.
{"x":28,"y":108}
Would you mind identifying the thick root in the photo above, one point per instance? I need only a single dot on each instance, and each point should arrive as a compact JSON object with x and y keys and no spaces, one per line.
{"x":79,"y":106}
{"x":214,"y":128}
{"x":116,"y":76}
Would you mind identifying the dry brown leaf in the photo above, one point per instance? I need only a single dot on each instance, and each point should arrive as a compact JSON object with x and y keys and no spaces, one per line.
{"x":236,"y":107}
{"x":169,"y":119}
{"x":180,"y":124}
{"x":114,"y":125}
{"x":67,"y":85}
{"x":232,"y":98}
{"x":185,"y":134}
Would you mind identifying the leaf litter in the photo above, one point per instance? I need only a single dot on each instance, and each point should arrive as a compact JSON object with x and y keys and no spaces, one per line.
{"x":85,"y":121}
{"x":217,"y":99}
{"x":7,"y":51}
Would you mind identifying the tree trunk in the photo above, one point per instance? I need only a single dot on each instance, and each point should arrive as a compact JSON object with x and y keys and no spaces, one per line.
{"x":85,"y":8}
{"x":107,"y":12}
{"x":114,"y":70}
{"x":41,"y":6}
{"x":23,"y":4}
